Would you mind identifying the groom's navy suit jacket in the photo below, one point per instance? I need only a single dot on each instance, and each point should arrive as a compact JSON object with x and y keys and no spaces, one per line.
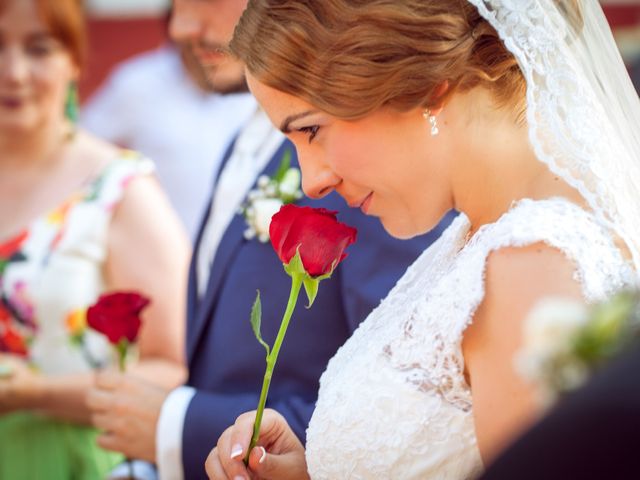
{"x":592,"y":434}
{"x":226,"y":363}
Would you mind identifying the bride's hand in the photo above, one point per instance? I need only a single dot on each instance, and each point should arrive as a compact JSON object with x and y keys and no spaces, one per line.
{"x":279,"y":454}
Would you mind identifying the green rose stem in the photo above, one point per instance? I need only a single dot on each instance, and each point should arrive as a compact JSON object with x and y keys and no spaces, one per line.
{"x":327,"y":242}
{"x":121,"y":348}
{"x":299,"y":278}
{"x":117,"y":316}
{"x":272,"y":356}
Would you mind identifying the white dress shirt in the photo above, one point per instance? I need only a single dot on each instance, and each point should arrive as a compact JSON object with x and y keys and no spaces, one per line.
{"x":150,"y":104}
{"x":256,"y":144}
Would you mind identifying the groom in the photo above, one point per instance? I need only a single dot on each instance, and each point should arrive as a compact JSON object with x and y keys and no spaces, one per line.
{"x":176,"y":430}
{"x":592,"y":434}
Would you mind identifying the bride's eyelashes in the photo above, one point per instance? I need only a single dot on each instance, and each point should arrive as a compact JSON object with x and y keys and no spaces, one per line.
{"x":310,"y":131}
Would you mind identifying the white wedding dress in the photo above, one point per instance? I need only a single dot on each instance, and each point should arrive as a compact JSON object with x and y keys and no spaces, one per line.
{"x":393,"y":402}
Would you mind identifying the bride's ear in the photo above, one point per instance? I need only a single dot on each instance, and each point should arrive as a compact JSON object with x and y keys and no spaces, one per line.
{"x":439,"y":97}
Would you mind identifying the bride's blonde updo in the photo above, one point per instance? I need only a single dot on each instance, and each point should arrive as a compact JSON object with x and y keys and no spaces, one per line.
{"x":351,"y":57}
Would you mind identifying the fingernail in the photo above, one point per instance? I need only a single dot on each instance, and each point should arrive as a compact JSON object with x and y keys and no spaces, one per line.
{"x":263,"y":455}
{"x":236,"y":451}
{"x":238,"y":477}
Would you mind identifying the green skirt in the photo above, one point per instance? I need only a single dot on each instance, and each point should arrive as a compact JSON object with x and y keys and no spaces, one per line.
{"x":34,"y":447}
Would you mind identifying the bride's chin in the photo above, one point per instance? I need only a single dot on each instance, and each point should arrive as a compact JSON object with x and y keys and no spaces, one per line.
{"x":400,"y":230}
{"x":405,"y":229}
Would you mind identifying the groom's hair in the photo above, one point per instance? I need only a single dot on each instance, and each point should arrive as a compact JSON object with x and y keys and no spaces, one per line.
{"x":351,"y":57}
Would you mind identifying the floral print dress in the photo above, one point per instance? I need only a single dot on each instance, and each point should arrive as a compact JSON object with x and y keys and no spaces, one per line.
{"x":49,"y":273}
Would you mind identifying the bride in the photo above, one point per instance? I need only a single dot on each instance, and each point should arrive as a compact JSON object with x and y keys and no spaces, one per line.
{"x":517,"y":113}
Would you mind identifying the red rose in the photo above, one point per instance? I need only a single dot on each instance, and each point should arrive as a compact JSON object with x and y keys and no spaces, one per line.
{"x":7,"y":249}
{"x":12,"y":342}
{"x":117,"y":315}
{"x":5,"y":316}
{"x":321,"y":238}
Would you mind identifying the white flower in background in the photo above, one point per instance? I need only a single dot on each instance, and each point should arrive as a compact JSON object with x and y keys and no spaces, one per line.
{"x":552,"y":323}
{"x":290,"y":185}
{"x":264,"y":209}
{"x":546,"y":359}
{"x":565,"y":341}
{"x":263,"y":181}
{"x":265,"y":200}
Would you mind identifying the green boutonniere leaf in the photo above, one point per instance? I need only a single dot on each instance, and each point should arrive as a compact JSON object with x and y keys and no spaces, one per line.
{"x":284,"y":166}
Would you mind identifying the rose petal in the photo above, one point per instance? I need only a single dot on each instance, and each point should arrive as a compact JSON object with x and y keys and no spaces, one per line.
{"x":316,"y":231}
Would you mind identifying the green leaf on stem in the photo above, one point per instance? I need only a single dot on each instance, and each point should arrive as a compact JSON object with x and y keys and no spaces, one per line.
{"x":311,"y":287}
{"x":328,"y":274}
{"x":295,"y":266}
{"x":256,"y":321}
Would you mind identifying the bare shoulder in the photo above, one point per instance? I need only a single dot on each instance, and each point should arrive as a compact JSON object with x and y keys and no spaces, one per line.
{"x":144,"y":210}
{"x":521,"y":273}
{"x":145,"y":233}
{"x":142,"y":192}
{"x":144,"y":216}
{"x":516,"y":279}
{"x":95,"y":150}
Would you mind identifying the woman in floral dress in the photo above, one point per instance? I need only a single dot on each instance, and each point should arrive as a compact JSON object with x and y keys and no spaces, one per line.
{"x":78,"y":217}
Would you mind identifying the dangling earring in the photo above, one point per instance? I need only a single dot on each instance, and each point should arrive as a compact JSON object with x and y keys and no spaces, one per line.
{"x":433,"y":121}
{"x":71,"y":103}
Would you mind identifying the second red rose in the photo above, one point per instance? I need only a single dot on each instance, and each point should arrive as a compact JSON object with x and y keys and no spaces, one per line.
{"x":117,"y":315}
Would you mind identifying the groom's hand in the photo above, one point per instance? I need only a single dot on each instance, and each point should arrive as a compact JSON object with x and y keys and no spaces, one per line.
{"x":127,"y":410}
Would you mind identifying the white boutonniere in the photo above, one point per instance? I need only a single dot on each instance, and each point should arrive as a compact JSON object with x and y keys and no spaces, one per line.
{"x":271,"y":193}
{"x":565,"y":342}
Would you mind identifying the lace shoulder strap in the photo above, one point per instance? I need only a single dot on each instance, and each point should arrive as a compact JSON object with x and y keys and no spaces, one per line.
{"x":600,"y":266}
{"x":427,"y":348}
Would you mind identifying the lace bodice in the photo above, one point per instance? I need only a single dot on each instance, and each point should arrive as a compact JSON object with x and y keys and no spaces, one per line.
{"x":393,"y":402}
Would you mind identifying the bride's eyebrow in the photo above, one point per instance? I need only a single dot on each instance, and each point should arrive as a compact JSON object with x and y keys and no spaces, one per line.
{"x":285,"y":125}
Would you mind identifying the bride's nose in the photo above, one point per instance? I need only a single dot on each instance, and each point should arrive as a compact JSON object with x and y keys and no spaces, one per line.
{"x":318,"y":179}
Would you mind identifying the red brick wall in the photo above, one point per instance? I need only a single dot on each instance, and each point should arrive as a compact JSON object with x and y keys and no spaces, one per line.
{"x":623,"y":15}
{"x":113,"y":40}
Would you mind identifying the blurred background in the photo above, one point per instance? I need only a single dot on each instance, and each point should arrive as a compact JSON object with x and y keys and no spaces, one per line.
{"x":120,"y":29}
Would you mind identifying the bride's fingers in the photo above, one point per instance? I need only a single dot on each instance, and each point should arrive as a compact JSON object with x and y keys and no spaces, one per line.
{"x":286,"y":466}
{"x":230,"y":455}
{"x":286,"y":456}
{"x":214,"y":467}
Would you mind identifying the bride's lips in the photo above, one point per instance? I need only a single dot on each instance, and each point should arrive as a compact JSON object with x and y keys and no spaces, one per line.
{"x":364,"y":205}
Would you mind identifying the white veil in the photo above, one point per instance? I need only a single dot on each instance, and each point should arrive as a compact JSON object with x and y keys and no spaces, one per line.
{"x":582,"y":109}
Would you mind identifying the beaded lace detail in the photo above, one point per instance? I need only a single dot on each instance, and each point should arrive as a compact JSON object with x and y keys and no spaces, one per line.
{"x":394,"y":402}
{"x":568,"y":124}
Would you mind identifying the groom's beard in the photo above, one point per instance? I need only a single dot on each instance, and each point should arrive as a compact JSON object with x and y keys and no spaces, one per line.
{"x":213,"y":69}
{"x":233,"y":87}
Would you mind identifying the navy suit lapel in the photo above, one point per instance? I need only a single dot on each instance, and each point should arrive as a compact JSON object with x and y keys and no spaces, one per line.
{"x":227,"y":251}
{"x":192,"y":289}
{"x":193,"y":300}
